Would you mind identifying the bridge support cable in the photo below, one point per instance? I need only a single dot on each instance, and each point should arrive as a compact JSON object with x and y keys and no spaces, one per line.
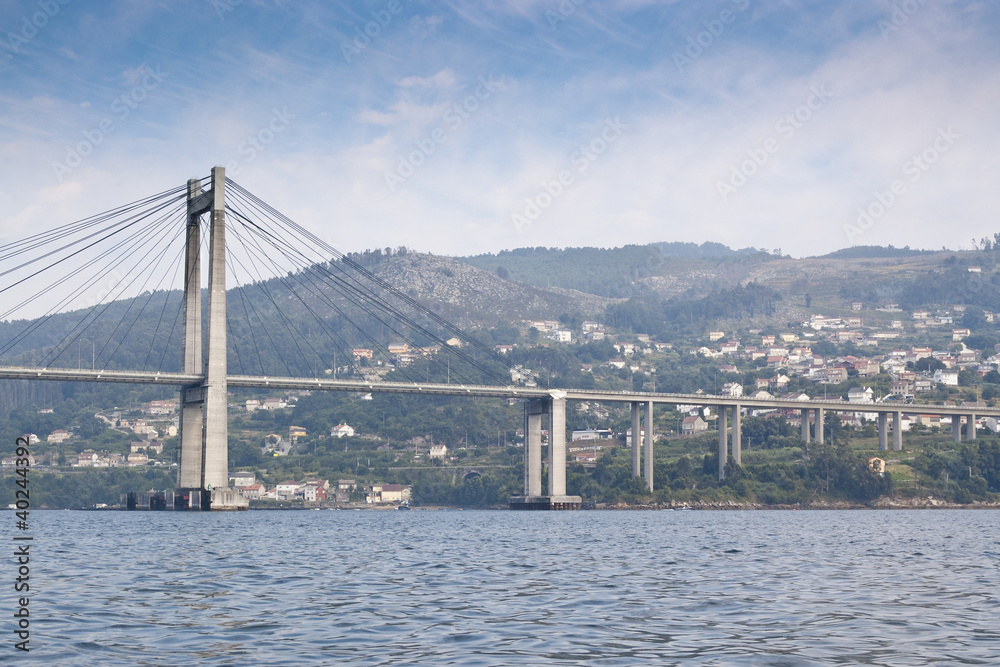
{"x":41,"y":240}
{"x":355,"y":290}
{"x":245,"y":301}
{"x":313,"y":287}
{"x":159,"y":321}
{"x":232,"y":261}
{"x":108,"y":259}
{"x":340,"y":343}
{"x":60,"y":282}
{"x":143,"y":247}
{"x":149,"y":297}
{"x":397,"y":293}
{"x":316,"y":290}
{"x":74,"y":247}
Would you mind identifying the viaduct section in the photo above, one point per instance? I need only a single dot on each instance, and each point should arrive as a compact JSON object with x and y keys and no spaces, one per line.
{"x":541,"y":407}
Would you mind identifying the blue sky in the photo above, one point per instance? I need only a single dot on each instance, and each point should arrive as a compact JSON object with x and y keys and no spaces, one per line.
{"x":468,"y":127}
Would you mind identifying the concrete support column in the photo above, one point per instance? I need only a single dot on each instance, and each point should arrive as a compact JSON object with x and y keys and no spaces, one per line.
{"x":883,"y":428}
{"x":533,"y":411}
{"x":723,"y":449}
{"x":820,"y":412}
{"x":525,"y":457}
{"x":804,"y":427}
{"x":737,"y":439}
{"x":972,"y":427}
{"x":215,"y":467}
{"x":648,"y":460}
{"x":897,"y":431}
{"x":189,"y":472}
{"x":635,"y":437}
{"x":557,"y":447}
{"x":956,"y":428}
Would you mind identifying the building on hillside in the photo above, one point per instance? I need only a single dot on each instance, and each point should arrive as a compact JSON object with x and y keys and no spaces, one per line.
{"x":287,"y":490}
{"x":342,"y":431}
{"x":146,"y":446}
{"x":253,"y":491}
{"x":58,"y":435}
{"x":243,"y":478}
{"x":860,"y":395}
{"x":692,"y":425}
{"x":946,"y":377}
{"x":387,"y":493}
{"x":162,"y":407}
{"x":313,"y":493}
{"x":593,"y":434}
{"x":137,"y":459}
{"x":733,"y":389}
{"x":437,"y":451}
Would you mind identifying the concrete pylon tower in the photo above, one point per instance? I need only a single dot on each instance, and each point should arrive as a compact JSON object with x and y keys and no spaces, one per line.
{"x":204,"y":464}
{"x":189,"y":472}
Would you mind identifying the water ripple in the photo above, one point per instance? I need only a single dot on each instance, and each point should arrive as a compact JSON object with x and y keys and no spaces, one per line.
{"x":503,"y":588}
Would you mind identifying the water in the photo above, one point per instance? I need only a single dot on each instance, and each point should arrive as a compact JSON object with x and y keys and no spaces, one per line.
{"x":511,"y":588}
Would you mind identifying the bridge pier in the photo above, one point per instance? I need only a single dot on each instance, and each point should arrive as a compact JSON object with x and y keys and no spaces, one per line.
{"x":635,"y":408}
{"x":820,"y":414}
{"x":557,"y":447}
{"x":204,"y":450}
{"x":956,"y":428}
{"x":971,"y":429}
{"x":883,"y":436}
{"x":897,"y":431}
{"x":648,"y":428}
{"x":737,"y":437}
{"x":723,"y":444}
{"x":533,"y":499}
{"x":804,"y":425}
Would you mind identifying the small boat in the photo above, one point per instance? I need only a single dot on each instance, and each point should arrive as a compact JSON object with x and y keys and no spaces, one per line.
{"x":403,"y":506}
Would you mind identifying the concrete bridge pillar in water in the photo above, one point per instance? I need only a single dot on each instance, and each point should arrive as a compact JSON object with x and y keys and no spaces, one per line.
{"x":534,"y":498}
{"x":737,"y":448}
{"x":723,"y":441}
{"x":642,"y":441}
{"x":897,"y":431}
{"x":203,"y":473}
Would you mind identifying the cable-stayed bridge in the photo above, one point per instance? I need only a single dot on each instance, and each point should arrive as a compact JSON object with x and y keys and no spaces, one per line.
{"x":142,"y":263}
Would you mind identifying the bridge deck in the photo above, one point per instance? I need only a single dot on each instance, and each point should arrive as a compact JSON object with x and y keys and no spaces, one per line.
{"x":430,"y":388}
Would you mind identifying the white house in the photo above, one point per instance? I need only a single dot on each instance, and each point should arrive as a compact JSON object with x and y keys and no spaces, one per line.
{"x":286,"y":490}
{"x":437,"y":451}
{"x":949,"y":378}
{"x":732,"y":389}
{"x":341,"y":431}
{"x":860,"y":395}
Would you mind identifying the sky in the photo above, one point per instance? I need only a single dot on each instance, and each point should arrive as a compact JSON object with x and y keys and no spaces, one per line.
{"x":461,"y":128}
